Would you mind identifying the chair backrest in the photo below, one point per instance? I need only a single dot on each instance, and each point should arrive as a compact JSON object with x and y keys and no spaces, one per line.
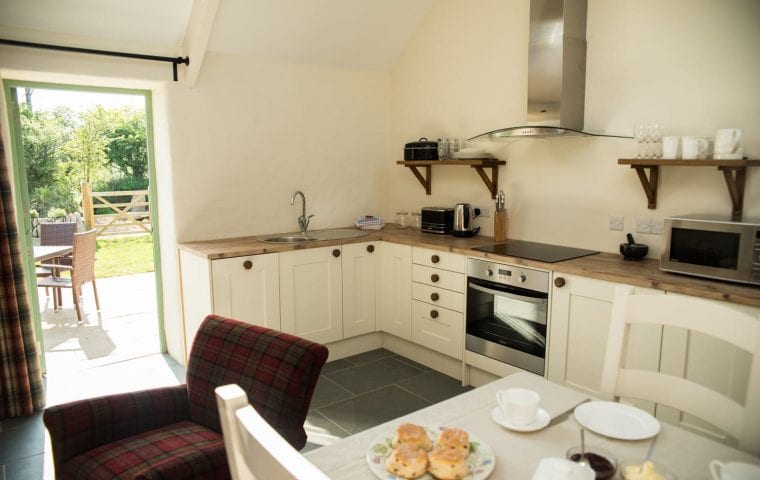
{"x":83,"y":257}
{"x":57,"y":233}
{"x":277,"y":371}
{"x":254,"y":449}
{"x":721,"y":320}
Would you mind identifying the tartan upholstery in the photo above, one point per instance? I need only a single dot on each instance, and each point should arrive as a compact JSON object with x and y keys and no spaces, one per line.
{"x":174,"y":432}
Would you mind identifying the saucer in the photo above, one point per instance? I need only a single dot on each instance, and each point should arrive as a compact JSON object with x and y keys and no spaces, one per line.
{"x":542,"y":420}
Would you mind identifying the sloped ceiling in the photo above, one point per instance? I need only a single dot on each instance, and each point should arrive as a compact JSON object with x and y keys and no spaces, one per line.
{"x":342,"y":33}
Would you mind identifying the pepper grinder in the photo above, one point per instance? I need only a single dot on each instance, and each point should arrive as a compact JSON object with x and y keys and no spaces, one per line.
{"x":500,"y":218}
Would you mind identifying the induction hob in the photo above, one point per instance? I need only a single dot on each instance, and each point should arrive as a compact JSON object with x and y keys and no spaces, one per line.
{"x":541,"y":252}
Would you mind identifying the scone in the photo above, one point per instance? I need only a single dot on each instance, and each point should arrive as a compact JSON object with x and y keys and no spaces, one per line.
{"x":407,"y":461}
{"x":447,"y":463}
{"x":454,"y":438}
{"x":411,"y":434}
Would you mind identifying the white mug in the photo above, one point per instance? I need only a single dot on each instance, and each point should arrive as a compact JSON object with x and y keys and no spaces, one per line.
{"x":734,"y":471}
{"x":670,"y":147}
{"x":518,"y":405}
{"x":728,"y":143}
{"x":693,"y":147}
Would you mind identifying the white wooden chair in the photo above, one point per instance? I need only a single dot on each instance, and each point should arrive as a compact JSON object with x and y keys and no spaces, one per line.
{"x":714,"y":318}
{"x":255,"y":451}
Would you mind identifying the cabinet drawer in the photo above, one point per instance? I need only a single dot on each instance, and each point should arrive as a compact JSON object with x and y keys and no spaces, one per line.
{"x":439,"y":329}
{"x":434,"y":258}
{"x":438,"y":278}
{"x":437,"y":296}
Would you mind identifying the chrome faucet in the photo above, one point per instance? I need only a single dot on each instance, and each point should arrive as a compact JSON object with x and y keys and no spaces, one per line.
{"x":303,"y":220}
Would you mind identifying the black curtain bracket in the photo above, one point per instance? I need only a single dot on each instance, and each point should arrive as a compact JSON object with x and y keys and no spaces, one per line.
{"x":138,"y":56}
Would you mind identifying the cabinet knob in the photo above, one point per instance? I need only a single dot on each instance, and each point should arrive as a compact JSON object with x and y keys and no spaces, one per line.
{"x":434,"y":277}
{"x":336,"y":253}
{"x":247,"y":264}
{"x":370,"y":248}
{"x":433,"y":313}
{"x":559,"y":282}
{"x":435,"y":259}
{"x":434,"y":297}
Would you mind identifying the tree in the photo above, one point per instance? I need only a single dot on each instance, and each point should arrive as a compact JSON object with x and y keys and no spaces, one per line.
{"x":85,"y":153}
{"x":127,"y":149}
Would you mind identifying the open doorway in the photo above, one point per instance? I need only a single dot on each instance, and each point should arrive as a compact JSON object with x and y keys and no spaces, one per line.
{"x":84,"y":161}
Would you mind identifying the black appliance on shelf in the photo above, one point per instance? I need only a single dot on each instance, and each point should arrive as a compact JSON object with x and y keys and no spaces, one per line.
{"x":423,"y":149}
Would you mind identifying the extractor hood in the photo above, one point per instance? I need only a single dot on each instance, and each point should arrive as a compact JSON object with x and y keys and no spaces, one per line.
{"x":556,"y":73}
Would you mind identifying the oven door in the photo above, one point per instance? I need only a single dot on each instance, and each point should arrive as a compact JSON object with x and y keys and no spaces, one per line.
{"x":507,"y":324}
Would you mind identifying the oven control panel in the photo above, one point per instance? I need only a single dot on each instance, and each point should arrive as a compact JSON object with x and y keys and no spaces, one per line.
{"x":517,"y":276}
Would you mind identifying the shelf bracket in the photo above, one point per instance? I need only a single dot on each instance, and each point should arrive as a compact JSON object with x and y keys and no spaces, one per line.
{"x":492,"y":184}
{"x":425,"y":180}
{"x":649,"y":183}
{"x":735,"y":179}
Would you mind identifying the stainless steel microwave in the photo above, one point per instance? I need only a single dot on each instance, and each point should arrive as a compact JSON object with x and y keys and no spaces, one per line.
{"x":712,"y":246}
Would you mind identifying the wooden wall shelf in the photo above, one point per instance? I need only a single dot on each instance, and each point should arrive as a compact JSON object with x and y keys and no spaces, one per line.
{"x":479,"y":164}
{"x":734,"y":173}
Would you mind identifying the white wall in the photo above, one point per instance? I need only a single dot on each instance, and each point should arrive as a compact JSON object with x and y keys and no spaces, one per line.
{"x":691,"y":65}
{"x":251,"y":133}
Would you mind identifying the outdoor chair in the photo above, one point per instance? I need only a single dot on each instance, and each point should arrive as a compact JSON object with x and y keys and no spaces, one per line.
{"x":721,"y":320}
{"x":82,"y":270}
{"x":56,"y":234}
{"x":175,"y":432}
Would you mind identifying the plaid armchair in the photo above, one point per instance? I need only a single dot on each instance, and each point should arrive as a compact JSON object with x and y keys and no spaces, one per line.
{"x":174,"y":432}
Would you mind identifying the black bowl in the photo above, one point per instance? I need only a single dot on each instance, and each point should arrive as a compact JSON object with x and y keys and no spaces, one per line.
{"x":634,"y":251}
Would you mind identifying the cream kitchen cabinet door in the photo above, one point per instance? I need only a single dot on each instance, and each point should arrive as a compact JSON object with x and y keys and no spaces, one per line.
{"x":394,"y":290}
{"x":311,"y":300}
{"x":359,"y":268}
{"x":578,"y":330}
{"x":248,"y":289}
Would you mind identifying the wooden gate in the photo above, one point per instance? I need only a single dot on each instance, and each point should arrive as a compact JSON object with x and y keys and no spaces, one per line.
{"x":128,"y":217}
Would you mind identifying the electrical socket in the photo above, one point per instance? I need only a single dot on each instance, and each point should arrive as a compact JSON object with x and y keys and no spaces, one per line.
{"x":616,"y":222}
{"x":656,"y":226}
{"x":643,"y":225}
{"x":485,"y":212}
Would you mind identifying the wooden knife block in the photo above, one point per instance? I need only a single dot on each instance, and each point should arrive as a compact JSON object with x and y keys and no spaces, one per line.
{"x":500,"y":226}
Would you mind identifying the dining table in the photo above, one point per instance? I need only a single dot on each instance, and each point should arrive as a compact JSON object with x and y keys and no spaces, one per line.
{"x":518,"y":454}
{"x":46,"y":252}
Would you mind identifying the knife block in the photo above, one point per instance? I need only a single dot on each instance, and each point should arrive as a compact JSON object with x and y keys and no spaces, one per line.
{"x":500,"y":226}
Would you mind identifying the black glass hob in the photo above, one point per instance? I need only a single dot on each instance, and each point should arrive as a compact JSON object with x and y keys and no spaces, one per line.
{"x":542,"y":252}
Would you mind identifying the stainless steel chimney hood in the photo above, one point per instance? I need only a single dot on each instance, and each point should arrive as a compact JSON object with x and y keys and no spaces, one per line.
{"x":556,"y":72}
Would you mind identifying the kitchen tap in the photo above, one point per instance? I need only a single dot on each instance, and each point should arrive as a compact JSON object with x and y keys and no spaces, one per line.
{"x":303,"y":220}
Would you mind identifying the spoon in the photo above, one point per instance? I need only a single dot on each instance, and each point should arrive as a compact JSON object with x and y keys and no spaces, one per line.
{"x":583,"y":447}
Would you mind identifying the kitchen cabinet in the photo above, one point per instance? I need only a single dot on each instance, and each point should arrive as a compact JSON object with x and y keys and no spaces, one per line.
{"x":579,"y":325}
{"x":244,"y":288}
{"x":359,"y":271}
{"x":394,"y":290}
{"x":311,"y":298}
{"x":438,"y":283}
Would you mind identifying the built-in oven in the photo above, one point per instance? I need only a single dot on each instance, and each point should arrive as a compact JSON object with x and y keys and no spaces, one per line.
{"x":507,"y":310}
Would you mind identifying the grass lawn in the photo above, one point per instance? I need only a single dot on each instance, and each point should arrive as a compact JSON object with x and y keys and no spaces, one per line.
{"x":123,"y":256}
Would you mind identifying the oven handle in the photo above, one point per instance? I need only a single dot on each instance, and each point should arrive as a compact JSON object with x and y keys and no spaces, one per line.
{"x":536,"y":301}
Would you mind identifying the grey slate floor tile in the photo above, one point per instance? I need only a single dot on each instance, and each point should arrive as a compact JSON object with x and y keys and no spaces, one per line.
{"x":327,"y":392}
{"x":371,"y":356}
{"x":336,"y":365}
{"x":433,"y":386}
{"x":371,"y":376}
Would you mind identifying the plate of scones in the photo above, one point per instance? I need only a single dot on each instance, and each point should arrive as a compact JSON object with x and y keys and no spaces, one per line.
{"x":429,"y":453}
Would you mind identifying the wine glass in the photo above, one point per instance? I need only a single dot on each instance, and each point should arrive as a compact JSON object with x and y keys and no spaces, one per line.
{"x":641,"y":134}
{"x":655,"y":135}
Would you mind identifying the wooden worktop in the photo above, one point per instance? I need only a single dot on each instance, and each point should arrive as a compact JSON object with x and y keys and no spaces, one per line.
{"x":604,"y":266}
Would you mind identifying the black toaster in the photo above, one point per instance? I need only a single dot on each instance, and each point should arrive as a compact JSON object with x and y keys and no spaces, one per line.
{"x":438,"y":220}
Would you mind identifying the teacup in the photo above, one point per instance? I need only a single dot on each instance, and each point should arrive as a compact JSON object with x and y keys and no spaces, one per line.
{"x":670,"y":147}
{"x":734,"y":470}
{"x":518,"y":405}
{"x":728,"y":143}
{"x":693,"y":147}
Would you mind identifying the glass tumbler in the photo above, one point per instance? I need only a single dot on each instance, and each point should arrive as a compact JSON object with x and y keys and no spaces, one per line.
{"x":416,"y":220}
{"x":401,"y":218}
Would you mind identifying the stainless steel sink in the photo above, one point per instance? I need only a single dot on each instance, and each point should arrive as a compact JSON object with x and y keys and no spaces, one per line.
{"x":314,"y":236}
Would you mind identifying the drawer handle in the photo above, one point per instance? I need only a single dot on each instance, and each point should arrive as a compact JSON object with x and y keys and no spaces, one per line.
{"x":435,"y":259}
{"x":336,"y":253}
{"x":434,"y":297}
{"x":247,"y":264}
{"x":559,"y":282}
{"x":433,"y":313}
{"x":370,"y":248}
{"x":434,"y":277}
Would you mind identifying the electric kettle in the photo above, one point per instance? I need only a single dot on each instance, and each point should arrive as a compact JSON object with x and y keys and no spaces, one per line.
{"x":463,"y":217}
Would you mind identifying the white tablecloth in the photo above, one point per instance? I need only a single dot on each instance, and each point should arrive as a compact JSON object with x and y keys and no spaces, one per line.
{"x":518,"y":454}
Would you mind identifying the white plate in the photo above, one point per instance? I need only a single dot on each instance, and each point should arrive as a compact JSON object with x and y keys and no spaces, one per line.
{"x":542,"y":420}
{"x":480,"y":461}
{"x":617,"y":420}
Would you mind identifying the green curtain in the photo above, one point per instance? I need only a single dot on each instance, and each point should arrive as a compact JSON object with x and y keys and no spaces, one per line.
{"x":21,"y":389}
